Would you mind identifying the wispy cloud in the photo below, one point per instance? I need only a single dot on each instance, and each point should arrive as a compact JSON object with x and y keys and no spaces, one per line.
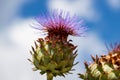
{"x":22,"y":34}
{"x":114,"y":4}
{"x":85,"y":8}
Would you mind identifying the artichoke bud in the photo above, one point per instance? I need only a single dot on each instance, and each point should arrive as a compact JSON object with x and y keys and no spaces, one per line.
{"x":107,"y":67}
{"x":56,"y":60}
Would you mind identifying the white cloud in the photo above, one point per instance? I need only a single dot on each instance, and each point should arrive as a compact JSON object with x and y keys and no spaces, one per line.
{"x":22,"y":33}
{"x":15,"y":52}
{"x":114,"y":4}
{"x":85,"y":8}
{"x":91,"y":44}
{"x":15,"y":66}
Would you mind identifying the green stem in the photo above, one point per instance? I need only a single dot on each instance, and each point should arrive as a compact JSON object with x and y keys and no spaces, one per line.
{"x":49,"y":76}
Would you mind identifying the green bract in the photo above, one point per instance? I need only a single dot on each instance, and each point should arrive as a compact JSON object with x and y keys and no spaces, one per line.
{"x":54,"y":58}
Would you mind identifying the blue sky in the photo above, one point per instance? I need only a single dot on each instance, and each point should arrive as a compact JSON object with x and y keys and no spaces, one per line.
{"x":33,"y":8}
{"x":102,"y":17}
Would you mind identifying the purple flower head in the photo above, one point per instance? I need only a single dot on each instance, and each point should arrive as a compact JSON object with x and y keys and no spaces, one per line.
{"x":60,"y":24}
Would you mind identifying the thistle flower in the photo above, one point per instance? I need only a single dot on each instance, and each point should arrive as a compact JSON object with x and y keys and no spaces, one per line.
{"x":54,"y":55}
{"x":107,"y":67}
{"x":59,"y":25}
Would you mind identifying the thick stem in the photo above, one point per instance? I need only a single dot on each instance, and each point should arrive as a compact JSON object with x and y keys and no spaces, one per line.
{"x":49,"y":76}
